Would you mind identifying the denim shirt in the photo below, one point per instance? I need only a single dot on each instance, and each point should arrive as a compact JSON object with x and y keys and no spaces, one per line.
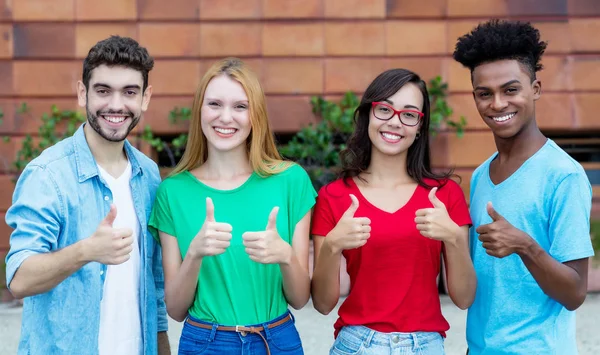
{"x":60,"y":199}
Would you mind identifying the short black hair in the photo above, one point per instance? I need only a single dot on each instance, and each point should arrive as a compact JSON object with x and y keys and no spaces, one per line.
{"x":117,"y":50}
{"x":497,"y":40}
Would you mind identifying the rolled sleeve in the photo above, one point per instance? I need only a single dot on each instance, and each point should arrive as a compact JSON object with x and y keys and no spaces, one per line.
{"x":34,"y":216}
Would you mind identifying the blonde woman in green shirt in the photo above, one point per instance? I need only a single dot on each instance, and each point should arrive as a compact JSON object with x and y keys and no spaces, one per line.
{"x":233,"y":220}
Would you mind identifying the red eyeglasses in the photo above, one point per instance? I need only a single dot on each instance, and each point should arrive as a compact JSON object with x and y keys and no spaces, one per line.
{"x":385,"y":112}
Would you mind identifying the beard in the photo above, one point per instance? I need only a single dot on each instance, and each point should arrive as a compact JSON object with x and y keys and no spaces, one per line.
{"x":112,"y":134}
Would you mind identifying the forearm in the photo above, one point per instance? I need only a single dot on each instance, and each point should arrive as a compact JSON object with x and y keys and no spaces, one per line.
{"x":180,"y":292}
{"x":462,"y":281}
{"x":557,"y":280}
{"x":296,"y":282}
{"x":42,"y":272}
{"x":163,"y":344}
{"x":326,"y":279}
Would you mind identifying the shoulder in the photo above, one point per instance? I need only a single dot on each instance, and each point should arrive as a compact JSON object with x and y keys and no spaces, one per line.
{"x":559,"y":163}
{"x":336,"y":189}
{"x":148,"y":165}
{"x":55,"y":156}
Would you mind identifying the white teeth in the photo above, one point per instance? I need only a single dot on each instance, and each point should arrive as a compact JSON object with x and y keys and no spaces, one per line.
{"x":503,"y":118}
{"x":225,"y":130}
{"x":114,"y":119}
{"x":391,"y":136}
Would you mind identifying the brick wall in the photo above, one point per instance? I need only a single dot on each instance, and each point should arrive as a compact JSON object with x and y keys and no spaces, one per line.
{"x":299,"y":48}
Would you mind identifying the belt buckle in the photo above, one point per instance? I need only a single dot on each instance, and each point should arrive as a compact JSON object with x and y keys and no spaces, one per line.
{"x":243,"y":332}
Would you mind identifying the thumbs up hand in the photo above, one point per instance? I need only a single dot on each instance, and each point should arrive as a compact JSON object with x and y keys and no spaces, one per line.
{"x":500,"y":238}
{"x":435,"y":223}
{"x":267,"y":247}
{"x":350,"y":232}
{"x":108,"y":245}
{"x":213,"y":238}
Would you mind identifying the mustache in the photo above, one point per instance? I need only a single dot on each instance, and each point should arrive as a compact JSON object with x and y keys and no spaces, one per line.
{"x":117,"y":112}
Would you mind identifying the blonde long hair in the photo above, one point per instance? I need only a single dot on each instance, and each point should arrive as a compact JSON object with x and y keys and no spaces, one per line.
{"x":262,"y":151}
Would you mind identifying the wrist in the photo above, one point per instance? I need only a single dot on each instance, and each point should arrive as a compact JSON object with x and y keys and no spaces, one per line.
{"x":288,"y":255}
{"x":193,"y":254}
{"x":329,"y":246}
{"x":456,"y":237}
{"x":82,"y":251}
{"x":528,"y":247}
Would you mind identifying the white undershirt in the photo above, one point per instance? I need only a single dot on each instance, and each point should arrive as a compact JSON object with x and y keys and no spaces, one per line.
{"x":120,"y":321}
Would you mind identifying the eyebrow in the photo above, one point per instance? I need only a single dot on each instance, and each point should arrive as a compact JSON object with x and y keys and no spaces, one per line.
{"x":501,"y":86}
{"x":102,"y":85}
{"x":405,"y":106}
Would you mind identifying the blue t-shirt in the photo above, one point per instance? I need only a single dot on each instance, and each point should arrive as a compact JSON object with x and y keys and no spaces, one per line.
{"x":549,"y":197}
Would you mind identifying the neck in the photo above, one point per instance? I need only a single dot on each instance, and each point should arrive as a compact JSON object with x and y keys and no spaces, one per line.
{"x":226,"y":165}
{"x":107,"y":154}
{"x":386,"y":170}
{"x":521,"y":146}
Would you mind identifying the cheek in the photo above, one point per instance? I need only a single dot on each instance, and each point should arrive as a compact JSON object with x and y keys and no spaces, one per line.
{"x":243,"y":120}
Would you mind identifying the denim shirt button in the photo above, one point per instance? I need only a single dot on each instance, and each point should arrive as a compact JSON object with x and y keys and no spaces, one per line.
{"x":106,"y":198}
{"x":395,"y":338}
{"x":101,"y":272}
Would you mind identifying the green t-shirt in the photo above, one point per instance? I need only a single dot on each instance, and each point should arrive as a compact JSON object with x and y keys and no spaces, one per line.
{"x":234,"y":290}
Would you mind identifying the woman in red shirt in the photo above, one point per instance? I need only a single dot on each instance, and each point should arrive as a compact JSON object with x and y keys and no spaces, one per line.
{"x":392,"y":218}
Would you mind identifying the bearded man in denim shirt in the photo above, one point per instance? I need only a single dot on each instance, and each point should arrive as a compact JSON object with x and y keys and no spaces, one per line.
{"x":80,"y":253}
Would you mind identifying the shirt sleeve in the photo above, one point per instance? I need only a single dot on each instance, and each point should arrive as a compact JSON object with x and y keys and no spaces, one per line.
{"x":161,"y":218}
{"x":303,"y":196}
{"x":35,"y":215}
{"x":457,"y":205}
{"x":323,"y":220}
{"x":569,"y":222}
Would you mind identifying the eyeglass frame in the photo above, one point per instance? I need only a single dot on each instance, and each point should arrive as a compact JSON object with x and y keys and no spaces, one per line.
{"x":396,"y":112}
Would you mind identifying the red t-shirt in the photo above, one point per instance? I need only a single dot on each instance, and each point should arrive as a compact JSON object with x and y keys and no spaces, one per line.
{"x":393,"y":276}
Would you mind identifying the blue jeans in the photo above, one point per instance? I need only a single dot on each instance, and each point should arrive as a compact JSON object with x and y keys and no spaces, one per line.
{"x":283,"y":340}
{"x":356,"y":339}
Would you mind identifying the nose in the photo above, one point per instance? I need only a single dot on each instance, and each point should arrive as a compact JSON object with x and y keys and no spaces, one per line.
{"x":116,"y":102}
{"x":226,"y":115}
{"x":395,"y":121}
{"x":498,"y":103}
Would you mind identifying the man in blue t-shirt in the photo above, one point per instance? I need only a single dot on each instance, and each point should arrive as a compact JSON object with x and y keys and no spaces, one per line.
{"x":530,"y":206}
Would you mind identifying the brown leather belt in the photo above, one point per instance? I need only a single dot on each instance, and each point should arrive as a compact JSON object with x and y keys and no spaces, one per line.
{"x":244,"y":330}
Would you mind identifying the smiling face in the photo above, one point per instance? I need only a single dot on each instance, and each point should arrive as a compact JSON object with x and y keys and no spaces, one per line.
{"x":225,"y":114}
{"x":391,"y":137}
{"x":505,"y":96}
{"x":114,"y":101}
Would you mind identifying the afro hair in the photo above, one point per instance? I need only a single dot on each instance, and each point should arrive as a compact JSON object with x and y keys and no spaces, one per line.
{"x":498,"y":40}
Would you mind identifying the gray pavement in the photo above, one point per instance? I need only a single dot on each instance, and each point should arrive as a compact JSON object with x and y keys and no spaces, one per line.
{"x":316,"y":330}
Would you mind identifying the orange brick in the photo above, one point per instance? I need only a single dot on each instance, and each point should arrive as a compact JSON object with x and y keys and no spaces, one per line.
{"x":106,"y":10}
{"x":457,"y":29}
{"x":586,"y":73}
{"x":583,"y":32}
{"x":355,"y":38}
{"x":230,"y":39}
{"x":537,"y":8}
{"x":459,"y":77}
{"x":294,"y":76}
{"x":44,"y":78}
{"x":415,"y":37}
{"x":8,"y":153}
{"x":6,"y":193}
{"x":464,"y":180}
{"x":493,"y":8}
{"x":292,"y":8}
{"x":158,"y":112}
{"x":289,"y":113}
{"x":422,"y":8}
{"x":583,"y":7}
{"x":230,"y":9}
{"x":355,"y":8}
{"x":5,"y":232}
{"x":556,"y":74}
{"x":168,"y":10}
{"x":554,"y":111}
{"x":170,"y":39}
{"x":438,"y":145}
{"x":255,"y":65}
{"x":464,"y":105}
{"x":175,"y":77}
{"x":470,"y":150}
{"x":87,"y":35}
{"x":6,"y":77}
{"x":292,"y":39}
{"x":44,"y":40}
{"x":586,"y":111}
{"x":557,"y":35}
{"x":426,"y":68}
{"x":43,"y":10}
{"x":6,"y":41}
{"x":5,"y":11}
{"x":7,"y":108}
{"x":342,"y":75}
